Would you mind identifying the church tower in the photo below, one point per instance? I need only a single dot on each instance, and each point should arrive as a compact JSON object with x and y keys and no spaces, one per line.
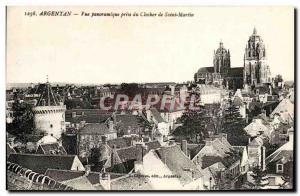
{"x":222,"y":60}
{"x":49,"y":114}
{"x":256,"y":68}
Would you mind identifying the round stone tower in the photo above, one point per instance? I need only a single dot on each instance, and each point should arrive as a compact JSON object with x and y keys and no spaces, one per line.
{"x":49,"y":113}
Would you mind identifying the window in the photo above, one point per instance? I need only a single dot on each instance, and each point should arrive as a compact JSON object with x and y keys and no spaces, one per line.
{"x":279,"y":168}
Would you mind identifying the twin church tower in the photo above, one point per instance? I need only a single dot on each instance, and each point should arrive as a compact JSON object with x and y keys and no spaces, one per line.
{"x":255,"y":71}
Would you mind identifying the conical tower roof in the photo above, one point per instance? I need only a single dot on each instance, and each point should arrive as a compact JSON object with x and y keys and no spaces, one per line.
{"x":47,"y":97}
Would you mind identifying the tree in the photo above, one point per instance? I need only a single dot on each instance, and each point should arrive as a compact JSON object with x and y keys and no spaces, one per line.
{"x":277,"y":79}
{"x":130,"y":89}
{"x":259,"y":177}
{"x":233,"y":125}
{"x":23,"y":119}
{"x":194,"y":124}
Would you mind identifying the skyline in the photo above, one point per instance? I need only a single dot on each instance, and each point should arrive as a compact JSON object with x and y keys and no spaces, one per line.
{"x":150,"y":49}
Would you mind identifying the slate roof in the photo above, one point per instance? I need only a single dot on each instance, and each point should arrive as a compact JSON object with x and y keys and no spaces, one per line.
{"x":131,"y":182}
{"x":156,"y":115}
{"x":206,"y":70}
{"x":130,"y":122}
{"x":40,"y":163}
{"x":121,"y":142}
{"x":80,"y":183}
{"x":53,"y":148}
{"x":285,"y":106}
{"x":89,"y":115}
{"x":95,"y":129}
{"x":178,"y":163}
{"x":285,"y":151}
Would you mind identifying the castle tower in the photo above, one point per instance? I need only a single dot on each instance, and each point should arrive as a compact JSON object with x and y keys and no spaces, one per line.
{"x":256,"y":68}
{"x":222,"y":60}
{"x":49,"y":114}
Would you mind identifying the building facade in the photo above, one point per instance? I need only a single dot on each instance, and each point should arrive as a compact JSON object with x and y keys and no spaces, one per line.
{"x":221,"y":74}
{"x":256,"y":68}
{"x":49,"y":113}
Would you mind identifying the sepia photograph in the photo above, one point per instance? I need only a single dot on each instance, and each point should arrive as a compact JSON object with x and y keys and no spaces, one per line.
{"x":150,"y":98}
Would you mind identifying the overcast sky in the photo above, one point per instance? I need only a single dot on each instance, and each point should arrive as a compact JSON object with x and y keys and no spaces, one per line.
{"x":141,"y":49}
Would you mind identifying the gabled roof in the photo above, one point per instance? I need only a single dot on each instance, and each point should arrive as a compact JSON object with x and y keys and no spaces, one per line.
{"x":88,"y":115}
{"x":131,"y":182}
{"x":40,"y":163}
{"x":256,"y":127}
{"x":206,"y":70}
{"x":156,"y":115}
{"x":80,"y":183}
{"x":284,"y":106}
{"x":126,"y":122}
{"x":120,"y":142}
{"x":95,"y":129}
{"x":284,"y":152}
{"x":178,"y":163}
{"x":53,"y":148}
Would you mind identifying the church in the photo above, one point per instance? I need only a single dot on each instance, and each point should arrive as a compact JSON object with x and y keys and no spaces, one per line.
{"x":254,"y":72}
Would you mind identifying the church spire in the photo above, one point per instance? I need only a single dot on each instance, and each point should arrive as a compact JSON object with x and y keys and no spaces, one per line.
{"x":254,"y":31}
{"x":221,"y":44}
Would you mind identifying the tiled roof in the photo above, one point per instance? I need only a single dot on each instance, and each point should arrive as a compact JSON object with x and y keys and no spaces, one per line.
{"x":120,"y":142}
{"x":206,"y":70}
{"x":53,"y":148}
{"x":65,"y":175}
{"x":95,"y":129}
{"x":156,"y":115}
{"x":131,"y":182}
{"x":284,"y":106}
{"x":130,"y":122}
{"x":89,"y":115}
{"x":285,"y":151}
{"x":179,"y":164}
{"x":21,"y":178}
{"x":40,"y":163}
{"x":80,"y":183}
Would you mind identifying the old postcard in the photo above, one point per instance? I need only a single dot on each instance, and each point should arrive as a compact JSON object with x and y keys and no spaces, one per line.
{"x":150,"y":98}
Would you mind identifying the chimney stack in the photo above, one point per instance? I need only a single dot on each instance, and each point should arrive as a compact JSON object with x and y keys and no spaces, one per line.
{"x":87,"y":170}
{"x":105,"y":181}
{"x":111,"y":125}
{"x":184,"y":147}
{"x":172,"y":142}
{"x":104,"y":141}
{"x":139,"y":148}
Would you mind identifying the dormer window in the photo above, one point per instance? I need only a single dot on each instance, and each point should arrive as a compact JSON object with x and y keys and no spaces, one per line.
{"x":279,"y":168}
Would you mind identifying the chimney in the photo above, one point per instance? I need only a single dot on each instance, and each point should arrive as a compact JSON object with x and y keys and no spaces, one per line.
{"x":87,"y":170}
{"x":112,"y":162}
{"x":105,"y":181}
{"x":264,"y":112}
{"x":247,"y":119}
{"x":172,"y":142}
{"x":103,"y":138}
{"x":291,"y":135}
{"x":111,"y":125}
{"x":249,"y":140}
{"x":172,"y":90}
{"x":184,"y":147}
{"x":73,"y":114}
{"x":270,"y":87}
{"x":139,"y":148}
